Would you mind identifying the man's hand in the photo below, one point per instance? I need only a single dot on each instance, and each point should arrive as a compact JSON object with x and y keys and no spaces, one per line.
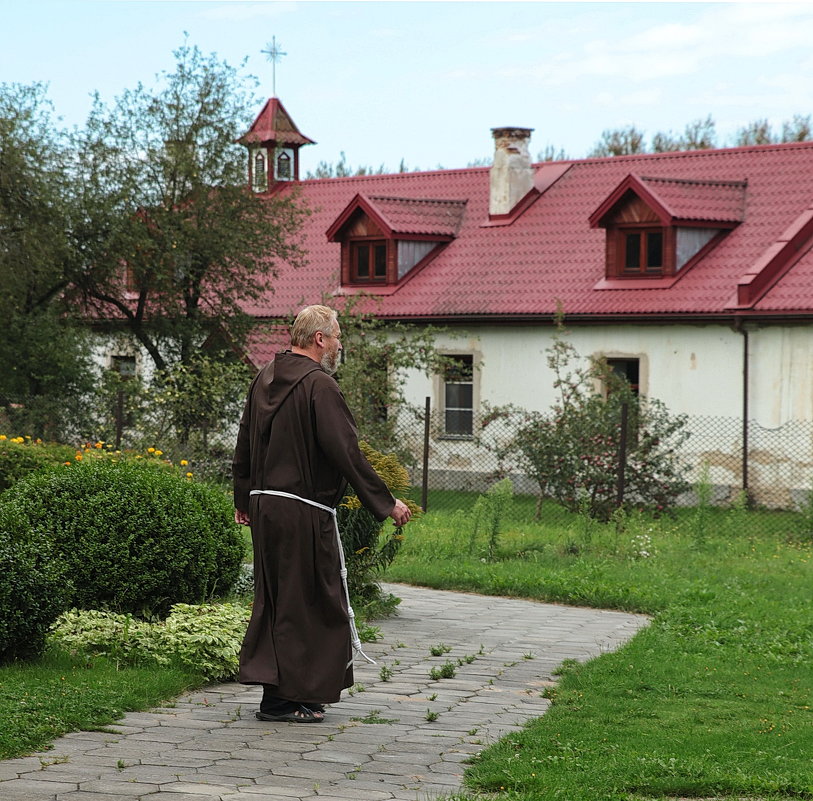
{"x":241,"y":518}
{"x":400,"y":513}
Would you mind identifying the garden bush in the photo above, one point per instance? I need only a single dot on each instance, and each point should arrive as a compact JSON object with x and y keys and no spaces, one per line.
{"x":203,"y":638}
{"x":32,"y":594}
{"x":20,"y":456}
{"x":368,"y":549}
{"x":134,"y":536}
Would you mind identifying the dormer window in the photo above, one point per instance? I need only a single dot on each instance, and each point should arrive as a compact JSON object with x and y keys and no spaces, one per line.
{"x":658,"y":227}
{"x":384,"y":240}
{"x":368,"y":261}
{"x":642,"y":251}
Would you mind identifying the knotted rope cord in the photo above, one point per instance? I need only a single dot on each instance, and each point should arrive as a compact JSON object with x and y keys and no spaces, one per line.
{"x":354,"y":636}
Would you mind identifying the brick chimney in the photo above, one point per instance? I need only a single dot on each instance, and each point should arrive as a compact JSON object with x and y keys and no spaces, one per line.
{"x":512,"y":176}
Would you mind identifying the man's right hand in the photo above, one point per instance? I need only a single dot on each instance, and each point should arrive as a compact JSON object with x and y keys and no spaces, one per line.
{"x":400,"y":513}
{"x":241,"y":518}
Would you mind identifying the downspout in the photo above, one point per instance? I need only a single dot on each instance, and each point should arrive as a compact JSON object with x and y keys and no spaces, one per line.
{"x":745,"y":412}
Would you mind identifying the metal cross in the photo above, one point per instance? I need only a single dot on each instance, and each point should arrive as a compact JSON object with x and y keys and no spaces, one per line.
{"x":272,"y":50}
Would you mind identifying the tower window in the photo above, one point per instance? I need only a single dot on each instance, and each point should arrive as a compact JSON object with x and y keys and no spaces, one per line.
{"x":283,"y":166}
{"x":259,"y":172}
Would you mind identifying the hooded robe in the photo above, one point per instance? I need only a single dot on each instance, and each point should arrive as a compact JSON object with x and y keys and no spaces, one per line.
{"x":298,"y":436}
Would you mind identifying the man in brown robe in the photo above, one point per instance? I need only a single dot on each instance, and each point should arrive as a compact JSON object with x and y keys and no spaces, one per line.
{"x":298,"y":437}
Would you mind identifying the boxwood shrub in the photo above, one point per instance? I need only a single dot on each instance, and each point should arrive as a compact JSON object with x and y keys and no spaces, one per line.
{"x":33,"y":592}
{"x":19,"y":458}
{"x":133,"y":536}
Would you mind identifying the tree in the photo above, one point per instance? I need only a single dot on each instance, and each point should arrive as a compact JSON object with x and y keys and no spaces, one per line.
{"x":572,"y":451}
{"x":341,"y":169}
{"x":374,"y":371}
{"x":620,"y":142}
{"x":40,"y":385}
{"x":169,"y":241}
{"x":698,"y":135}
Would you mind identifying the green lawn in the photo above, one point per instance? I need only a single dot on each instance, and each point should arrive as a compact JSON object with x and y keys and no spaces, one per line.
{"x":62,"y":693}
{"x":713,"y":699}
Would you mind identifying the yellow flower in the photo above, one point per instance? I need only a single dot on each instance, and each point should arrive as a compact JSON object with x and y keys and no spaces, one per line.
{"x":78,"y":456}
{"x":189,"y":475}
{"x":150,"y":450}
{"x":184,"y":463}
{"x":3,"y":436}
{"x":159,"y":453}
{"x":98,"y":445}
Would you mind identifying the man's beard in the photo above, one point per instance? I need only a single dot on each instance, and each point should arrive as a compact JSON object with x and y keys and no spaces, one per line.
{"x":330,"y":362}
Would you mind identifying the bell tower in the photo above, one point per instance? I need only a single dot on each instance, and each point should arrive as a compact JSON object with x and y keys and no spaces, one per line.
{"x":273,"y":143}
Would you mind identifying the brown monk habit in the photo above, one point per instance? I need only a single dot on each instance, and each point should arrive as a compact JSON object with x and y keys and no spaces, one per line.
{"x":298,"y":436}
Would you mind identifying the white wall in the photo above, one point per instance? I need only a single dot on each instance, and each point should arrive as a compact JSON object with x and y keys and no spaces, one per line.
{"x":695,"y":370}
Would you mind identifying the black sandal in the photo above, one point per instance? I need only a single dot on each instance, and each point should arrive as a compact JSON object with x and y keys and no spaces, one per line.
{"x":294,"y":713}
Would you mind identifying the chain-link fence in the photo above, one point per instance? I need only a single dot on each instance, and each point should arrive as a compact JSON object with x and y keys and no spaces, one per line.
{"x":722,"y":463}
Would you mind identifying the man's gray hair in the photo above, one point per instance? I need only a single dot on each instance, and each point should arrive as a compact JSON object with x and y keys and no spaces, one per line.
{"x":310,"y":320}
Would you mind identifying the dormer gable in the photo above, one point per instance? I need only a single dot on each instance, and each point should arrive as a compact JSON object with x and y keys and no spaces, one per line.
{"x":658,"y":226}
{"x":384,"y":239}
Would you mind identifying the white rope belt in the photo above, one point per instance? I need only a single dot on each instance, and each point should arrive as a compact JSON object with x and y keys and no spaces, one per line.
{"x":354,"y":636}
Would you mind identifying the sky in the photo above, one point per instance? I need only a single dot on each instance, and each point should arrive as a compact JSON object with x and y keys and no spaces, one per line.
{"x":425,"y":82}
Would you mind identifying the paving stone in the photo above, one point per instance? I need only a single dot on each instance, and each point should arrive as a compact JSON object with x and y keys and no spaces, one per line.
{"x":208,"y":745}
{"x":107,"y":788}
{"x":34,"y":790}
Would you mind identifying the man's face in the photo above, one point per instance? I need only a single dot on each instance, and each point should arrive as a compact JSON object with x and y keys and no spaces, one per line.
{"x":333,"y":348}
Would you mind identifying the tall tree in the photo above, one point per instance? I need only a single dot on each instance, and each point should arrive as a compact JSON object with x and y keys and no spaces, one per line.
{"x":41,"y":384}
{"x":620,"y":142}
{"x":170,"y":241}
{"x":698,"y":135}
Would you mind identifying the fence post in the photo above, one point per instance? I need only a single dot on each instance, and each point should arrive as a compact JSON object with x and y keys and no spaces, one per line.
{"x":425,"y":476}
{"x":622,"y":457}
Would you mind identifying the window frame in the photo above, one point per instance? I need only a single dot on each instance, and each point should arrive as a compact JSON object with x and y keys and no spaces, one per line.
{"x":443,"y":383}
{"x":642,"y":268}
{"x":368,"y":245}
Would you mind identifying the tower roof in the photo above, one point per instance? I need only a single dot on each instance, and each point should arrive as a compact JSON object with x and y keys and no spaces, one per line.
{"x":274,"y":123}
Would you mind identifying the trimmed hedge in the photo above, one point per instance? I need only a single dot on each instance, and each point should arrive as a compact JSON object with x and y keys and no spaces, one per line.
{"x":32,"y":594}
{"x":133,"y":536}
{"x":20,"y":457}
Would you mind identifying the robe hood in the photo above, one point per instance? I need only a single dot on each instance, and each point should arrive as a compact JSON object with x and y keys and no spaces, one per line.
{"x":276,"y":381}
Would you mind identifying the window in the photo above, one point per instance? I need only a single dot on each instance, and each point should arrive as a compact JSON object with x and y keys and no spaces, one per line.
{"x":642,"y":251}
{"x":283,"y":166}
{"x":458,"y":397}
{"x":368,"y":261}
{"x":125,"y":366}
{"x":259,"y":172}
{"x":630,"y":369}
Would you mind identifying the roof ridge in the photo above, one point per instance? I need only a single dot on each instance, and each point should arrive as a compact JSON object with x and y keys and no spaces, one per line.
{"x":699,"y":153}
{"x":697,"y":181}
{"x":397,"y":175}
{"x":455,"y":201}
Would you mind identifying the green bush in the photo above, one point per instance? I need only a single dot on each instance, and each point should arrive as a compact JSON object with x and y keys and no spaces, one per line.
{"x":134,"y":536}
{"x":32,"y":594}
{"x":368,"y":548}
{"x":21,"y":456}
{"x":205,"y":639}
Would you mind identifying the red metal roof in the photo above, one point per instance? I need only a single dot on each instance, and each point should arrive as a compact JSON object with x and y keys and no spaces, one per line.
{"x":274,"y":123}
{"x":550,"y":254}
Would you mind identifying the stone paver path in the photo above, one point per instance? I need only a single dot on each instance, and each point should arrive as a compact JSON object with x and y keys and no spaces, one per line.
{"x":377,"y":744}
